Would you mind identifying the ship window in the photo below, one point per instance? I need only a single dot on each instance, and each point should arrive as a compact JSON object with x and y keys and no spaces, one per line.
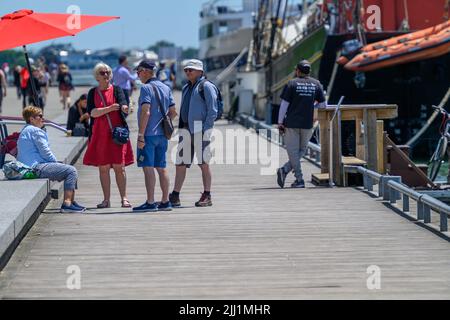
{"x":223,"y":27}
{"x":206,"y":31}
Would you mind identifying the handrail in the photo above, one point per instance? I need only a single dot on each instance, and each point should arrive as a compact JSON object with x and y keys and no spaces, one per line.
{"x":22,"y":122}
{"x":392,"y":189}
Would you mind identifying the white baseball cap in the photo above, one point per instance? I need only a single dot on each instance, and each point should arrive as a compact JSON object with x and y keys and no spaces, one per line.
{"x":194,"y":64}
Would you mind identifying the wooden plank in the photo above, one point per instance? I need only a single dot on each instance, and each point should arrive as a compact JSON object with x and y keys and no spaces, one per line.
{"x":324,"y":143}
{"x":370,"y":139}
{"x":359,"y":140}
{"x":353,"y":161}
{"x":380,"y":147}
{"x":338,"y":176}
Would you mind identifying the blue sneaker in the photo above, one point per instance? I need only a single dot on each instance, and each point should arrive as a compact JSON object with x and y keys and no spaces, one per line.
{"x":72,"y":209}
{"x":146,"y":207}
{"x":298,"y":184}
{"x":77,"y":205}
{"x":165,"y":206}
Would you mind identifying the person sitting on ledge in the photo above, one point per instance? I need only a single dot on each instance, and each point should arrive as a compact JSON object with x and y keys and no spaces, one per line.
{"x":34,"y":151}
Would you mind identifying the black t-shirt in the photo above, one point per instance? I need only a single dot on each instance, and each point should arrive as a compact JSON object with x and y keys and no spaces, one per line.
{"x":302,"y":93}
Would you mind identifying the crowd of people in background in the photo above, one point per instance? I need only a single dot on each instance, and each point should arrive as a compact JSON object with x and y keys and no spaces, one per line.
{"x":43,"y":76}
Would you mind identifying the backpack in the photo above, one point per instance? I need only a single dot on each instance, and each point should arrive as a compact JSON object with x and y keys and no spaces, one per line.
{"x":16,"y":170}
{"x":201,"y":90}
{"x":9,"y":145}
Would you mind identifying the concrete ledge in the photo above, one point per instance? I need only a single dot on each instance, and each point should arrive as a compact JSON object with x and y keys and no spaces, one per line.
{"x":23,"y":201}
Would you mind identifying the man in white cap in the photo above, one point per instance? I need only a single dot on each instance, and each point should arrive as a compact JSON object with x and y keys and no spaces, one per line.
{"x":198,"y":112}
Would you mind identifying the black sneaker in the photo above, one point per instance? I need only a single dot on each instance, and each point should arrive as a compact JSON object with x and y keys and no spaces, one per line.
{"x":281,"y":177}
{"x":298,"y":184}
{"x":205,"y":201}
{"x":174,"y":200}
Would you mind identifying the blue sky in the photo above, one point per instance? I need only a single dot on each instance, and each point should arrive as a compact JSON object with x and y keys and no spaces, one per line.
{"x":142,"y":22}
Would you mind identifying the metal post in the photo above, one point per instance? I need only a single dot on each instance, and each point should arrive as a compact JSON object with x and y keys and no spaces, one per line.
{"x":444,"y":222}
{"x":405,"y":203}
{"x":392,"y":195}
{"x":419,"y":210}
{"x":369,"y":183}
{"x":33,"y":86}
{"x":426,"y":213}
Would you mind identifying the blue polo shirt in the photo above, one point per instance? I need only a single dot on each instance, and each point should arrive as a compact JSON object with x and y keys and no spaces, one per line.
{"x":154,"y":126}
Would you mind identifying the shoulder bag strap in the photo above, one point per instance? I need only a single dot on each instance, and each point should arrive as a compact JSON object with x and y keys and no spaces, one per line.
{"x":155,"y":91}
{"x":104,"y":103}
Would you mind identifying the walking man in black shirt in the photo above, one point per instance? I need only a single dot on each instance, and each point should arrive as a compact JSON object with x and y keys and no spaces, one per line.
{"x":296,"y":119}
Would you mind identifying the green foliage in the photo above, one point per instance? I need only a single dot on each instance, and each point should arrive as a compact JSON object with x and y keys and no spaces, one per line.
{"x":160,"y":44}
{"x":190,"y":53}
{"x":12,"y":57}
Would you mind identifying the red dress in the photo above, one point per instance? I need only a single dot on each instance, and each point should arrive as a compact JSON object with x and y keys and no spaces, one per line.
{"x":101,"y":149}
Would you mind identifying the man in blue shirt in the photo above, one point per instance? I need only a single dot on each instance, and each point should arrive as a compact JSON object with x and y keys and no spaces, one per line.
{"x":154,"y":99}
{"x":197,"y":115}
{"x":122,"y":77}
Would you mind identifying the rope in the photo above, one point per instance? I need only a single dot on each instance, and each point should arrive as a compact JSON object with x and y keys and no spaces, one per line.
{"x":414,"y":139}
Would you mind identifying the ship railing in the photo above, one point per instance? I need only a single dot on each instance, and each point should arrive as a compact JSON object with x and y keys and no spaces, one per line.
{"x":271,"y":133}
{"x":391,"y":189}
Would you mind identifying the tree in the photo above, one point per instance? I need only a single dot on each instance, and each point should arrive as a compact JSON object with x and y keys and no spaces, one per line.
{"x":160,"y":44}
{"x":12,"y":57}
{"x":189,"y":53}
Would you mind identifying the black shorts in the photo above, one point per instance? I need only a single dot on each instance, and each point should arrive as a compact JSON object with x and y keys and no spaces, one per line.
{"x":196,"y":146}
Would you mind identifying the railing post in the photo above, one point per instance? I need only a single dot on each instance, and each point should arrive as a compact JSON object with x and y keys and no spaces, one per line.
{"x":405,"y":203}
{"x":426,"y":213}
{"x":419,"y":209}
{"x":369,"y":183}
{"x":384,"y":184}
{"x":444,"y":222}
{"x":392,"y":195}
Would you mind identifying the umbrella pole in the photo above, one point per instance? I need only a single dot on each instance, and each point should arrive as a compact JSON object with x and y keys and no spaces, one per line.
{"x":33,"y":87}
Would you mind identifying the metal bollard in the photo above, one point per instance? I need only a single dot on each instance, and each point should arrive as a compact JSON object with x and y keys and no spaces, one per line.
{"x":405,"y":203}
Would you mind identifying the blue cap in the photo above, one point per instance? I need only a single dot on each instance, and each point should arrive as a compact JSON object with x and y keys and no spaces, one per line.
{"x":146,"y":64}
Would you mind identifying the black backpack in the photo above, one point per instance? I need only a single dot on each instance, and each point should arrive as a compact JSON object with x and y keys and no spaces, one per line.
{"x":201,"y":90}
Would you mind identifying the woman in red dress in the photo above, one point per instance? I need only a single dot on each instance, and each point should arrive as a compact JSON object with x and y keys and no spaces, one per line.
{"x":102,"y":152}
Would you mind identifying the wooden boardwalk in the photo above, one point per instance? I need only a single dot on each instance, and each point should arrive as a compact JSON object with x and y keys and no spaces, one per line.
{"x":256,"y":242}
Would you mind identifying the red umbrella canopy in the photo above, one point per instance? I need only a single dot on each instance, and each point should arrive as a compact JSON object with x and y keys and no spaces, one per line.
{"x":26,"y":26}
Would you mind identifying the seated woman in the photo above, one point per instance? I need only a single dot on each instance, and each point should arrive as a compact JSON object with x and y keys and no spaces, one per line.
{"x":78,"y":114}
{"x":34,"y":151}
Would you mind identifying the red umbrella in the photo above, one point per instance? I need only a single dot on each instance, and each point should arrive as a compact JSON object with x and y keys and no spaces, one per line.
{"x":26,"y":26}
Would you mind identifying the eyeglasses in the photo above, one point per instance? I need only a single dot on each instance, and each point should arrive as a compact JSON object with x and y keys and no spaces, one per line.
{"x":139,"y":71}
{"x":104,"y":73}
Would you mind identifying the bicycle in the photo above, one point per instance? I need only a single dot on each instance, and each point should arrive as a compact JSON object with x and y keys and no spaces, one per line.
{"x":434,"y":165}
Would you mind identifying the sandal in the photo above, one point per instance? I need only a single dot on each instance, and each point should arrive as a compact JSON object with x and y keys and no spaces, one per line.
{"x":126,"y":203}
{"x":104,"y":205}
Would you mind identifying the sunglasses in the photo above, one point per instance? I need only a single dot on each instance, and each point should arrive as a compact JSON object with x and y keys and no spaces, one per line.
{"x":104,"y":73}
{"x":188,"y":70}
{"x":139,"y":71}
{"x":41,"y":116}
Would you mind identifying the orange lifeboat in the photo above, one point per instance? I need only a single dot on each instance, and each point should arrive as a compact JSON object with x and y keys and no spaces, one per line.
{"x":428,"y":43}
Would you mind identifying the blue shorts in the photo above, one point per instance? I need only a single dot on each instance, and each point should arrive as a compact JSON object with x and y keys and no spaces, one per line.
{"x":154,"y":152}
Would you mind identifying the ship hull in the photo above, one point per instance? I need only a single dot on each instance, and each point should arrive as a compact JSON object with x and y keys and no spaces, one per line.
{"x":414,"y":87}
